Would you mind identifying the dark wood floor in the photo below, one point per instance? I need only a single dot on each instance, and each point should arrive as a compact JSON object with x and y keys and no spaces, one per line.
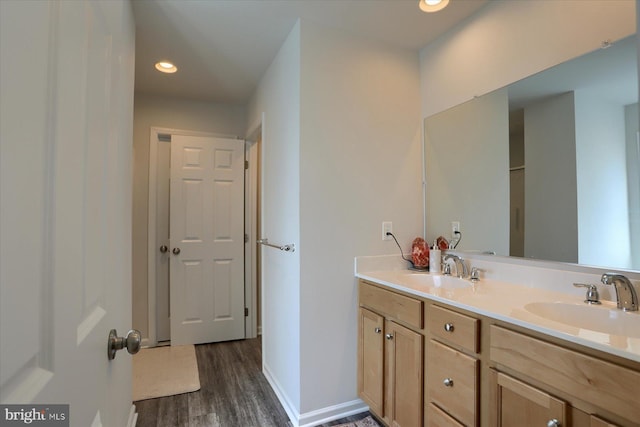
{"x":233,"y":393}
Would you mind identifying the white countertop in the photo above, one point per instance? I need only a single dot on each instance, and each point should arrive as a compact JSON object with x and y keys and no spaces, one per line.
{"x":510,"y":302}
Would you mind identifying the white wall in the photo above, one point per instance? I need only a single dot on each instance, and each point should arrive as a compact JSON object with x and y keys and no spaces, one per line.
{"x":278,"y":97}
{"x":550,"y":201}
{"x":174,"y":113}
{"x":342,"y":153}
{"x":603,"y":194}
{"x":509,"y":40}
{"x":360,"y":164}
{"x":467,"y":173}
{"x":633,"y":178}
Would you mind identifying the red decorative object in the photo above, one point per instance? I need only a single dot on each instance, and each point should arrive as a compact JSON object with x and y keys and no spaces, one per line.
{"x":420,"y":252}
{"x":443,"y":244}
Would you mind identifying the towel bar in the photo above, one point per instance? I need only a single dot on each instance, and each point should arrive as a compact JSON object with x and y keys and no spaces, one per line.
{"x":287,"y":248}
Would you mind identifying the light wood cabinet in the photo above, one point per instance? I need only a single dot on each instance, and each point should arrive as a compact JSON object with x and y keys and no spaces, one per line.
{"x":391,"y":356}
{"x":439,"y":418}
{"x":371,"y":359}
{"x":452,"y":382}
{"x":452,"y":377}
{"x":596,"y":381}
{"x":516,"y":404}
{"x":582,"y":419}
{"x":453,"y":327}
{"x":404,"y":359}
{"x":423,"y":362}
{"x":578,"y":376}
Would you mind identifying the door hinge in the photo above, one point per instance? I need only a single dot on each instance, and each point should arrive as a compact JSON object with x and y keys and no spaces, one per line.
{"x":246,"y":164}
{"x":246,"y":238}
{"x":246,"y":312}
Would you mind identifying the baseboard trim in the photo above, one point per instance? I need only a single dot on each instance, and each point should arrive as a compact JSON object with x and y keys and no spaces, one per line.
{"x":313,"y":418}
{"x":332,"y":413}
{"x":133,"y":417}
{"x":291,"y":411}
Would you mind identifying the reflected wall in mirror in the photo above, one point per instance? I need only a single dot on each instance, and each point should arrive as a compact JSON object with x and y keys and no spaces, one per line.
{"x":546,"y":168}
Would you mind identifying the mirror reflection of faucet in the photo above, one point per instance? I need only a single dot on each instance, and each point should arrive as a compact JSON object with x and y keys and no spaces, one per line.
{"x":474,"y":276}
{"x":461,"y":267}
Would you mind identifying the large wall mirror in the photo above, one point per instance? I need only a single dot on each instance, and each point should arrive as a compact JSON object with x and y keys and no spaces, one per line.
{"x":547,"y":168}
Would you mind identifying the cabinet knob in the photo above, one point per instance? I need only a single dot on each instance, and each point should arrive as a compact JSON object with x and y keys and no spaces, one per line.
{"x":377,"y":330}
{"x":553,"y":423}
{"x":389,"y":336}
{"x":448,"y":382}
{"x":448,"y":327}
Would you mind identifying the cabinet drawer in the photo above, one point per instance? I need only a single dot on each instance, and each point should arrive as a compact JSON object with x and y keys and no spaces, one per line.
{"x":454,"y":327}
{"x":439,"y":418}
{"x":405,"y":309}
{"x":452,"y":382}
{"x":596,"y":381}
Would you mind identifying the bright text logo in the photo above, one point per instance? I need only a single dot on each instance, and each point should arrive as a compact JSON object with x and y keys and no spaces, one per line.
{"x":37,"y":415}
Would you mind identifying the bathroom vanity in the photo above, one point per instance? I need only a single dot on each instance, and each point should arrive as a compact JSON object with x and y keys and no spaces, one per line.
{"x":442,"y":351}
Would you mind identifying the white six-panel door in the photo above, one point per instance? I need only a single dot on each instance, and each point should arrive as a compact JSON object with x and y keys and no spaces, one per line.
{"x":66,"y":133}
{"x":207,"y":239}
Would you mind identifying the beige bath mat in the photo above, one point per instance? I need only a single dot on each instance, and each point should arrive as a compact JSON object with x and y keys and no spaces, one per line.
{"x":165,"y":371}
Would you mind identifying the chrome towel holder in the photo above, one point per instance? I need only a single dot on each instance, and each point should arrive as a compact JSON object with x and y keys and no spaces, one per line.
{"x":287,"y":248}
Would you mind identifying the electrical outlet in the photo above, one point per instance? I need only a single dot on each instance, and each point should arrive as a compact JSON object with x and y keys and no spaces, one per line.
{"x":455,"y":227}
{"x":387,"y":227}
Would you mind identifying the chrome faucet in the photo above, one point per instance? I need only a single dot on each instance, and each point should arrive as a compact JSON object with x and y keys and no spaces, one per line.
{"x":461,"y":267}
{"x":627,"y":297}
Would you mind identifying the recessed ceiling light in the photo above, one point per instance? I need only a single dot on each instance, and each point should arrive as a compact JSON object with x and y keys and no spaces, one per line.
{"x":166,"y":67}
{"x":432,"y":5}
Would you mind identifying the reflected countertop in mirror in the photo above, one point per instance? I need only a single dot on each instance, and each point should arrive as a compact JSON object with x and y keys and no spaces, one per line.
{"x":547,"y":168}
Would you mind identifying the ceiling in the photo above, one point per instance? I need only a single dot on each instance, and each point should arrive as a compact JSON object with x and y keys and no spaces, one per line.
{"x":223,"y":47}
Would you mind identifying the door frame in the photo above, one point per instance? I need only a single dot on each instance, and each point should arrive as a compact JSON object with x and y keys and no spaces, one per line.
{"x":253,"y":140}
{"x":152,"y":246}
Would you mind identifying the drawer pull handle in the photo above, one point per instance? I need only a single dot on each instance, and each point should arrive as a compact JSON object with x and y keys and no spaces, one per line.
{"x":448,"y":382}
{"x":448,"y":327}
{"x":553,"y":423}
{"x":389,"y":336}
{"x":377,"y":330}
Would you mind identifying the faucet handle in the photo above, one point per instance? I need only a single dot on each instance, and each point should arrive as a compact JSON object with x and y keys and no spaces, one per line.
{"x":475,"y":274}
{"x":592,"y":293}
{"x":446,"y":270}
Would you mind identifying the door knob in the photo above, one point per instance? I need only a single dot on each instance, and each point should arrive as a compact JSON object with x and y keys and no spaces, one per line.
{"x":164,"y":248}
{"x":389,"y":336}
{"x":176,"y":251}
{"x":131,"y":342}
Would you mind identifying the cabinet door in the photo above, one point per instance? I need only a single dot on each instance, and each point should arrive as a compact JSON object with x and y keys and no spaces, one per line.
{"x":371,"y":360}
{"x":582,"y":419}
{"x":520,"y":405}
{"x":404,"y":374}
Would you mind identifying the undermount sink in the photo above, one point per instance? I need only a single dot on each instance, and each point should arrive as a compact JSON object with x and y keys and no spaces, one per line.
{"x":436,"y":281}
{"x":606,"y":319}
